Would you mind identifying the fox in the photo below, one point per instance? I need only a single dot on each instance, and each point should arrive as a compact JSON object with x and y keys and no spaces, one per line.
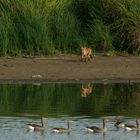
{"x":86,"y":90}
{"x":86,"y":54}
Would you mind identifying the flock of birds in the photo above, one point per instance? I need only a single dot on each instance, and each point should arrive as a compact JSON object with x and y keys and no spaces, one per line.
{"x":94,"y":129}
{"x":36,"y":127}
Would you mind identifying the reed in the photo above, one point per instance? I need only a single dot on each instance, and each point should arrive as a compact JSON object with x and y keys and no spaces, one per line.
{"x":125,"y":24}
{"x":101,"y":39}
{"x":53,"y":27}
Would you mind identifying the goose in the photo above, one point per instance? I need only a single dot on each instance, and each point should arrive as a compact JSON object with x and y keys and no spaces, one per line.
{"x":63,"y":130}
{"x":36,"y":127}
{"x":96,"y":129}
{"x":132,"y":127}
{"x":119,"y":124}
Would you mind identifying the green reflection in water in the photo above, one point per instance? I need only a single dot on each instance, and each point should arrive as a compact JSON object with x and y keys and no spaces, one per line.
{"x":67,"y":99}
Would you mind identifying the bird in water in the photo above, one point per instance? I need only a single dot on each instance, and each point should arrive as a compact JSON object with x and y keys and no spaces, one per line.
{"x":132,"y":127}
{"x":119,"y":124}
{"x":96,"y":129}
{"x":63,"y":130}
{"x":36,"y":127}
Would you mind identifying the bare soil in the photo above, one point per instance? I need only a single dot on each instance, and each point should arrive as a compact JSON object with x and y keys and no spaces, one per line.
{"x":69,"y":68}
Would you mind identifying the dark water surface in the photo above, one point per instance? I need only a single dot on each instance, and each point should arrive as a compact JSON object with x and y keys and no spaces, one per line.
{"x":84,"y":104}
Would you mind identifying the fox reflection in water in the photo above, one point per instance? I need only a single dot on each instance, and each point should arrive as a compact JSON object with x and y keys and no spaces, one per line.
{"x":86,"y":90}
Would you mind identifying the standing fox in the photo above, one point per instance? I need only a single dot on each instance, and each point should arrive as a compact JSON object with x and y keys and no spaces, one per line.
{"x":86,"y":54}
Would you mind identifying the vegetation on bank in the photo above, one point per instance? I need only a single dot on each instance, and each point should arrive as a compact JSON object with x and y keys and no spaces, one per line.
{"x":35,"y":27}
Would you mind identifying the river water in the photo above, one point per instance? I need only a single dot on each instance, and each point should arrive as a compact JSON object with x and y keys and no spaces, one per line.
{"x":84,"y":104}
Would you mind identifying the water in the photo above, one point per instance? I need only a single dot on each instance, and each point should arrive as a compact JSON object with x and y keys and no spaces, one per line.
{"x":23,"y":104}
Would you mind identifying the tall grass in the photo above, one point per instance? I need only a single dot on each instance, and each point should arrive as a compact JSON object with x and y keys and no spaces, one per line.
{"x":101,"y":39}
{"x":125,"y":24}
{"x":53,"y":27}
{"x":34,"y":27}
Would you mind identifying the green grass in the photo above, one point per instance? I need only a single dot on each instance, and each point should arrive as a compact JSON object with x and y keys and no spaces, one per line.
{"x":53,"y":27}
{"x":125,"y":25}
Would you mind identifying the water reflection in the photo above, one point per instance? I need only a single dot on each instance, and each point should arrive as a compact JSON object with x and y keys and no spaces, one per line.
{"x":66,"y":99}
{"x":59,"y":102}
{"x":86,"y":90}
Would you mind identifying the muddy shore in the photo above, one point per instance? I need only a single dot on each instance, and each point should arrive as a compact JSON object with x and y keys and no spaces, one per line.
{"x":69,"y":69}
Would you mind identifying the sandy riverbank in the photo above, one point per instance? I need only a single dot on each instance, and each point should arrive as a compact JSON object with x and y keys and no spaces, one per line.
{"x":69,"y":69}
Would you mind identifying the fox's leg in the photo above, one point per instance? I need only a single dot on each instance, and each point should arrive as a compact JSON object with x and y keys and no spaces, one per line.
{"x":91,"y":56}
{"x":82,"y":58}
{"x":88,"y":57}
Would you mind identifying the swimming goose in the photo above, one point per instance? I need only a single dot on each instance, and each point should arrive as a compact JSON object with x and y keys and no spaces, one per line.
{"x":35,"y":127}
{"x":119,"y":124}
{"x":132,"y":127}
{"x":63,"y":130}
{"x":96,"y":129}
